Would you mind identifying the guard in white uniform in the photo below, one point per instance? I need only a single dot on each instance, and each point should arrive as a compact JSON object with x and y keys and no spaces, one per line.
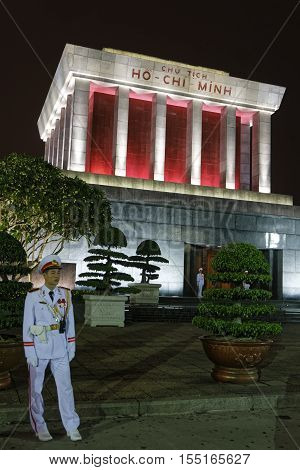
{"x":49,"y":338}
{"x":200,"y":282}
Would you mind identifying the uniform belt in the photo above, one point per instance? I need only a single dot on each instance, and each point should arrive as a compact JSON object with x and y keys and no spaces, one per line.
{"x":55,"y":326}
{"x":41,"y":330}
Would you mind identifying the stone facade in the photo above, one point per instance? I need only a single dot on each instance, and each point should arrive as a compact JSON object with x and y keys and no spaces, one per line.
{"x":176,"y":220}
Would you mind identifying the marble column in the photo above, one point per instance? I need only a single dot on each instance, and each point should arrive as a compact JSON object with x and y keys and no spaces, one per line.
{"x":51,"y":147}
{"x":47,"y":149}
{"x":79,"y":125}
{"x":121,"y":131}
{"x":227,"y":147}
{"x":67,"y":141}
{"x":61,"y":138}
{"x":160,"y":136}
{"x":261,"y":152}
{"x":55,"y":143}
{"x":189,"y":143}
{"x":196,"y":141}
{"x":245,"y":160}
{"x":153,"y":138}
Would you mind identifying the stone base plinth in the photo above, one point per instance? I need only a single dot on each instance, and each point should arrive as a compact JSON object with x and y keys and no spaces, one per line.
{"x":149,"y":294}
{"x":105,"y":310}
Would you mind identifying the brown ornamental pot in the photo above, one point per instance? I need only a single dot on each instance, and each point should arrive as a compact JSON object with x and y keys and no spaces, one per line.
{"x":11,"y":356}
{"x":235,"y":360}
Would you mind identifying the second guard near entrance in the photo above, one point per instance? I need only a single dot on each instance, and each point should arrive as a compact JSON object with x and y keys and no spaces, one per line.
{"x":49,"y":338}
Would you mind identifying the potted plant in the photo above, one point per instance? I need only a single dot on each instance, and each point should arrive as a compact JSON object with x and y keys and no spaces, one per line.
{"x":238,"y":317}
{"x":104,"y":306}
{"x":12,"y":296}
{"x":148,"y":251}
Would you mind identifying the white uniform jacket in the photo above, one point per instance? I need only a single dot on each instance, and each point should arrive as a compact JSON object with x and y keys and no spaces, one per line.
{"x":200,"y":278}
{"x":38,"y":311}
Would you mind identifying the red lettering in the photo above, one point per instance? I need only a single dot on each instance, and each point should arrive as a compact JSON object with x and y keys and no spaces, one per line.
{"x":165,"y":79}
{"x":210,"y":85}
{"x":202,"y":87}
{"x":204,"y":77}
{"x":227,"y":90}
{"x":138,"y":73}
{"x":177,"y":71}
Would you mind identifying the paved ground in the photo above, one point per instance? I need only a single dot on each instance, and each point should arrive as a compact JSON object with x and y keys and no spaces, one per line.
{"x":159,"y":368}
{"x":219,"y":431}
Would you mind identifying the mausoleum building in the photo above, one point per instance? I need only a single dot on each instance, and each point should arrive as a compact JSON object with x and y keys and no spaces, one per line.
{"x":184,"y":155}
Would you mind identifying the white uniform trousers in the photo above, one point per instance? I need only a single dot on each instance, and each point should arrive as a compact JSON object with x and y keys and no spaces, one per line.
{"x":60,"y":369}
{"x":200,"y":288}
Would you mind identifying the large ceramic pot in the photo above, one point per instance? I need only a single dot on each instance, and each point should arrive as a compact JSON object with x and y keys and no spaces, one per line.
{"x":11,"y":356}
{"x":235,"y":360}
{"x":104,"y":310}
{"x":149,"y":294}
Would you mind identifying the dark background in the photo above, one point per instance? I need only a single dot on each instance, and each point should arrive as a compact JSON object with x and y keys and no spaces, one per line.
{"x":230,"y":36}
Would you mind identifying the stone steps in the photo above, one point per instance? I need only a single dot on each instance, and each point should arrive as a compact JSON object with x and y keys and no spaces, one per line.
{"x":158,"y":314}
{"x":183,"y":309}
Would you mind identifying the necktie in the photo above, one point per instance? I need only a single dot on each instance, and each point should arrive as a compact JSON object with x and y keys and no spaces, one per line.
{"x":51,"y":293}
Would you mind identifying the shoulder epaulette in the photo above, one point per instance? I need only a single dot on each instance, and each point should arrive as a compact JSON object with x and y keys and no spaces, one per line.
{"x":34,"y":289}
{"x":66,"y":288}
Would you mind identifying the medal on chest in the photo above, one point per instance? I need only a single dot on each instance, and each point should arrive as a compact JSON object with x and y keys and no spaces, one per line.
{"x":58,"y":311}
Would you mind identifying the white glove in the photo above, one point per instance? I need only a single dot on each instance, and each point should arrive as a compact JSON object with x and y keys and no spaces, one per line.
{"x":33,"y":361}
{"x":71,"y":355}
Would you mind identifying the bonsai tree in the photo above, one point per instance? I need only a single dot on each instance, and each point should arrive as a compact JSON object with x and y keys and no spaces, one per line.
{"x":104,"y":276}
{"x":12,"y":293}
{"x":40,"y":205}
{"x":146,"y":252}
{"x":238,"y":311}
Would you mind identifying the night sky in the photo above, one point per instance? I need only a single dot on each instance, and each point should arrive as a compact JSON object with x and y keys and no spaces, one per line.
{"x":232,"y":36}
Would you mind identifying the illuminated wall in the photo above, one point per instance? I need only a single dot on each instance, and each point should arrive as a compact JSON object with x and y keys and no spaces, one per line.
{"x":100,"y":131}
{"x":238,"y":154}
{"x":104,"y":106}
{"x":176,"y":143}
{"x":139,"y":161}
{"x":210,"y":159}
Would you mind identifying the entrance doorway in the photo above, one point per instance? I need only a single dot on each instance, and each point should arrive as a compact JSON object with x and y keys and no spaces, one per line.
{"x":195,"y":257}
{"x":275,"y":260}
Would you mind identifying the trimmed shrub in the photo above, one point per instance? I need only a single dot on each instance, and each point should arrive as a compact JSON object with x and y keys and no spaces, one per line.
{"x":148,"y":251}
{"x":237,"y":311}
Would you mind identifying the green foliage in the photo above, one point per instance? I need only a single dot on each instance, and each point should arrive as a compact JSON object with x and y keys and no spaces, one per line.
{"x":12,"y":293}
{"x":148,"y":248}
{"x":146,"y":252}
{"x":12,"y":258}
{"x":240,"y":277}
{"x":247,"y":329}
{"x":11,"y":313}
{"x":237,"y":293}
{"x":39,"y":205}
{"x":110,"y":237}
{"x":237,"y":311}
{"x":11,"y":250}
{"x":14,"y":290}
{"x":77,"y":294}
{"x":103,"y":275}
{"x":240,"y":257}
